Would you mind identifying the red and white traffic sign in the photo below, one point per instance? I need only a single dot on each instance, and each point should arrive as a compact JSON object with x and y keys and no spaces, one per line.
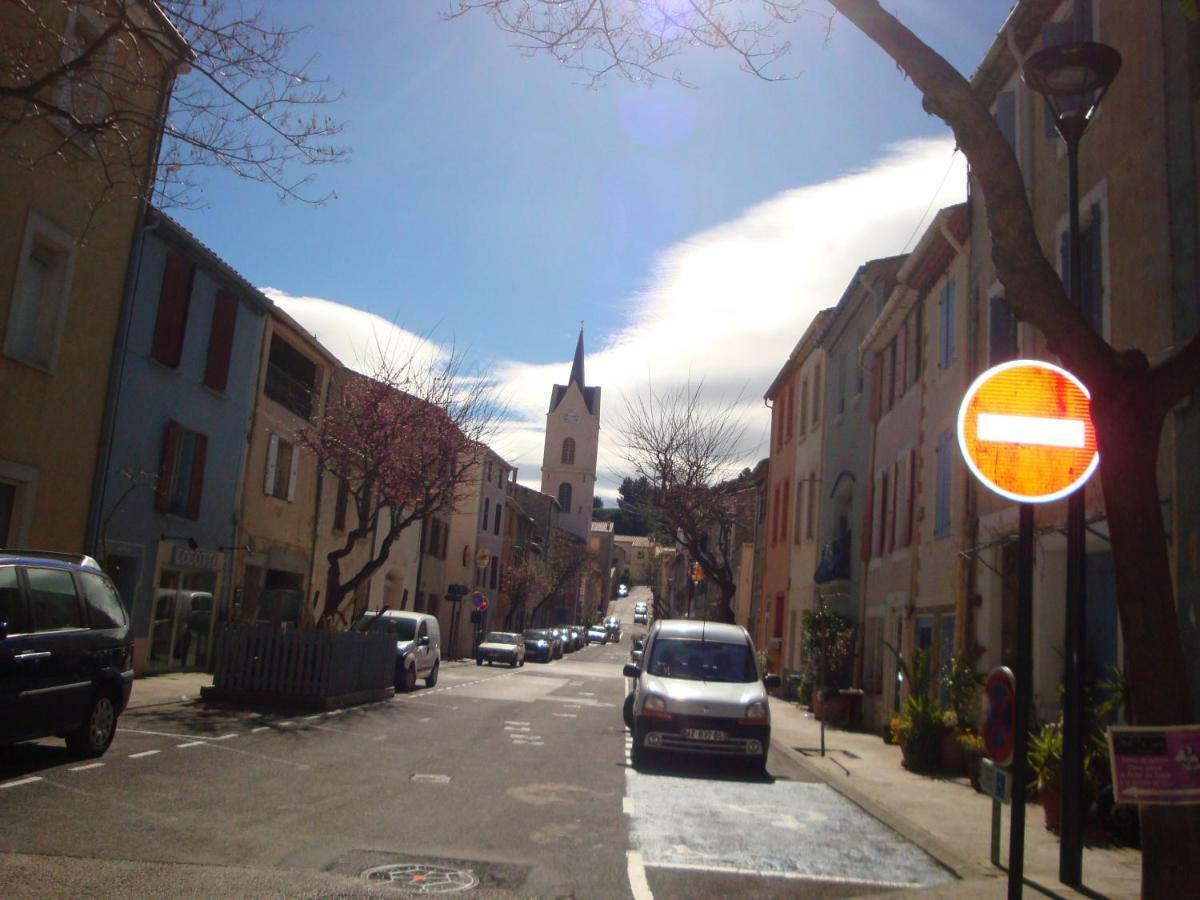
{"x":480,"y":601}
{"x":1000,"y":715}
{"x":1025,"y":429}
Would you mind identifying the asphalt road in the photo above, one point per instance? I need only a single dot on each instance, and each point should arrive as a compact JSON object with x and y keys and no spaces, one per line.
{"x":513,"y":781}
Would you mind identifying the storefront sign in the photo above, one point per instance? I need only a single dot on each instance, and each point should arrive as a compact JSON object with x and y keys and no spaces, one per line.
{"x":1155,"y":765}
{"x":194,"y":559}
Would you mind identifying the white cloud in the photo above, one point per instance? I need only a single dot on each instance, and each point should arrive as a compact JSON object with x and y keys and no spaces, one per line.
{"x":726,"y":305}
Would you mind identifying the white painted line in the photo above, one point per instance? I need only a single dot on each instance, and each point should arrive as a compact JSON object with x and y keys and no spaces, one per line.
{"x":189,"y":744}
{"x":143,"y":753}
{"x":638,"y":886}
{"x":430,"y":778}
{"x":84,"y":768}
{"x":537,"y":744}
{"x":30,"y":780}
{"x":791,"y":876}
{"x":627,"y":805}
{"x":506,"y":722}
{"x":1037,"y":430}
{"x":260,"y":728}
{"x":586,"y":694}
{"x":317,"y":716}
{"x":223,"y":737}
{"x":516,"y":728}
{"x":567,"y":715}
{"x":426,"y":719}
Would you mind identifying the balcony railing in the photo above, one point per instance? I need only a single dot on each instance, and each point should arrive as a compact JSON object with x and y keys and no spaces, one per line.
{"x":288,"y":391}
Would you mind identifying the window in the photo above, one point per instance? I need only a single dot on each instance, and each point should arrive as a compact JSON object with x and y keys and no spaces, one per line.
{"x":173,"y":300}
{"x":291,"y":378}
{"x":868,"y":522}
{"x":892,"y":522}
{"x":889,"y":377}
{"x":220,"y":340}
{"x":85,"y":92}
{"x":798,"y":527}
{"x":483,"y":522}
{"x":775,"y":516}
{"x":941,"y":517}
{"x":841,"y":363}
{"x":790,"y":415}
{"x":804,"y":406}
{"x":340,"y":504}
{"x":283,"y":462}
{"x":816,"y":395}
{"x":785,"y":494}
{"x":884,"y":498}
{"x":564,"y":497}
{"x":103,"y":602}
{"x":40,"y":292}
{"x":12,"y":609}
{"x":946,"y":325}
{"x":181,"y":472}
{"x":53,"y":605}
{"x":8,"y":504}
{"x":811,"y":528}
{"x":777,"y":623}
{"x":1002,"y":332}
{"x":496,"y":526}
{"x":876,"y":386}
{"x":915,"y":340}
{"x":568,"y":452}
{"x":901,"y":344}
{"x":910,"y":484}
{"x":494,"y":573}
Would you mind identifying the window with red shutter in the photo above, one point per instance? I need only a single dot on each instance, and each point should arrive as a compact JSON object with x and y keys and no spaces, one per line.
{"x":885,"y":495}
{"x":171,"y":321}
{"x":785,"y":494}
{"x":891,"y":543}
{"x":196,"y":476}
{"x":876,"y":386}
{"x":868,"y":521}
{"x":220,"y":340}
{"x":911,"y":486}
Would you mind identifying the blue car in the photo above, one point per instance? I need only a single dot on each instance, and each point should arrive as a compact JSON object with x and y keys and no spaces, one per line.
{"x":539,"y":645}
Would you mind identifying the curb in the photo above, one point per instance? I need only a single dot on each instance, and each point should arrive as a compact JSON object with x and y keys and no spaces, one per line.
{"x":958,"y":865}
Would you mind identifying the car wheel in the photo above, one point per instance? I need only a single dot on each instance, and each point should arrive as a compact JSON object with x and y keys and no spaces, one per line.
{"x":479,"y":660}
{"x":627,"y":710}
{"x":639,"y":756}
{"x":431,"y":679}
{"x":408,"y":680}
{"x":513,"y":664}
{"x":522,"y":660}
{"x":95,"y":734}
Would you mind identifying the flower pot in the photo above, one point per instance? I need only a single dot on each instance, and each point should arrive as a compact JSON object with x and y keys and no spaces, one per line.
{"x":953,"y":758}
{"x":971,"y":765}
{"x":922,"y":752}
{"x":1051,"y":798}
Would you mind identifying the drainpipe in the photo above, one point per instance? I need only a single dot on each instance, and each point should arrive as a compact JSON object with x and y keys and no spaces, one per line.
{"x":121,"y":340}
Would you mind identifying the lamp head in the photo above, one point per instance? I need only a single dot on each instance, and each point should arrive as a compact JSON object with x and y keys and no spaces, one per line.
{"x":1073,"y":78}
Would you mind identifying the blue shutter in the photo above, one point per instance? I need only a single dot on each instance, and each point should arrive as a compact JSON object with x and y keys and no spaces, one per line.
{"x":1092,"y":259}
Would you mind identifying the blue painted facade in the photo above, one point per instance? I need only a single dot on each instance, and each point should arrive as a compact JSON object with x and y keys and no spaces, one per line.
{"x":167,"y":497}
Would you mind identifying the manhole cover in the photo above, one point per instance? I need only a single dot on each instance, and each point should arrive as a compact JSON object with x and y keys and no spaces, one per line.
{"x":422,"y":878}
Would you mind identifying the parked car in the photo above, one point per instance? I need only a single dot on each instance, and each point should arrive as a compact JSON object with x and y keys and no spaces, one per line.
{"x":539,"y":645}
{"x":597,"y":634}
{"x":501,"y":646}
{"x":578,"y":640}
{"x":699,"y":690}
{"x":613,"y":624}
{"x":557,"y":639}
{"x":418,"y":644}
{"x":66,"y":652}
{"x":639,"y":618}
{"x":622,"y":590}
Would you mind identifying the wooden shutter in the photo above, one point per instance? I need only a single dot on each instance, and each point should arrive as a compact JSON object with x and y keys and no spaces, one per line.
{"x":786,"y":494}
{"x":220,"y":340}
{"x":272,"y":459}
{"x":173,"y":300}
{"x":885,"y":496}
{"x":295,"y":470}
{"x":868,"y":518}
{"x":196,"y":476}
{"x":910,"y":491}
{"x":893,"y":515}
{"x":876,"y":386}
{"x":166,"y":466}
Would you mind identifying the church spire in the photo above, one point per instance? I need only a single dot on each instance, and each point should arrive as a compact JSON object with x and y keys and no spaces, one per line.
{"x":577,"y":365}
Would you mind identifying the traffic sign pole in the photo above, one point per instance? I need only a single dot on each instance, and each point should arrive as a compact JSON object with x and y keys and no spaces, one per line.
{"x":1024,"y":675}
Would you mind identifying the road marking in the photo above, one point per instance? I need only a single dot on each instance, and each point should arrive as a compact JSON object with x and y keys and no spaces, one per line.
{"x":317,"y":716}
{"x":586,"y":694}
{"x":11,"y":784}
{"x":638,"y":886}
{"x":143,"y":753}
{"x":566,"y":715}
{"x":260,"y":728}
{"x":189,"y":744}
{"x":507,"y":722}
{"x":223,"y":737}
{"x":84,"y":768}
{"x":284,"y":724}
{"x":426,"y":719}
{"x":167,"y":734}
{"x":516,"y":727}
{"x":431,"y":779}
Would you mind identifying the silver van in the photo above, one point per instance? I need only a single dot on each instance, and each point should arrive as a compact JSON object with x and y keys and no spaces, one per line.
{"x":698,"y":689}
{"x":418,"y":644}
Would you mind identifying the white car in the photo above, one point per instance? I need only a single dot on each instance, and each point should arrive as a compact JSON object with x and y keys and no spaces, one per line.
{"x":502,"y":646}
{"x":418,"y":644}
{"x":699,"y":690}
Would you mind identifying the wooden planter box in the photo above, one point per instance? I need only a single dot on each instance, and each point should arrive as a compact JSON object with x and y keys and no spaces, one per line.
{"x":258,"y":663}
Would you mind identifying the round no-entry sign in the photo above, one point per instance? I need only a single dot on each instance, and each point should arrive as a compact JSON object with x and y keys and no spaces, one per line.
{"x":1000,"y":715}
{"x":1025,"y":429}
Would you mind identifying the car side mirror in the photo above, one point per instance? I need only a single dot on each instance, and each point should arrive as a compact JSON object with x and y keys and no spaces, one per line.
{"x":424,"y":642}
{"x":772,"y":681}
{"x":631,"y":670}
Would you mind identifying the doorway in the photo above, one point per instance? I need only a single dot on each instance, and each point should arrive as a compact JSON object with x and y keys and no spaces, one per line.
{"x":184,"y":614}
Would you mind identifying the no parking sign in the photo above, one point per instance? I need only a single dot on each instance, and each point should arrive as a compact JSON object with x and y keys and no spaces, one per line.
{"x":1000,"y":715}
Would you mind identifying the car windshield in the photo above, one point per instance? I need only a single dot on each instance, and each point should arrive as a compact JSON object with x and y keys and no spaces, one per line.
{"x":535,"y":635}
{"x":502,"y":637}
{"x":694,"y":660}
{"x":403,"y":629}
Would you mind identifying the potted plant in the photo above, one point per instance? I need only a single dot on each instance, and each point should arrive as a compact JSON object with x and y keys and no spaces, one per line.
{"x":962,"y":685}
{"x":972,"y":751}
{"x":828,"y":640}
{"x":1045,"y":762}
{"x":921,"y":724}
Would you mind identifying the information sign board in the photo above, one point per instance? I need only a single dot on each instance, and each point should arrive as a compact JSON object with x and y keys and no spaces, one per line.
{"x":1155,"y":765}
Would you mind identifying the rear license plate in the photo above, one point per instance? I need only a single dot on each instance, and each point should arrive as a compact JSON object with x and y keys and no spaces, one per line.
{"x":704,"y":734}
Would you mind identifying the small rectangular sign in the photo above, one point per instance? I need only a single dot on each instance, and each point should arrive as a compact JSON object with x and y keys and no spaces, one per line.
{"x":1159,"y":765}
{"x":995,"y":780}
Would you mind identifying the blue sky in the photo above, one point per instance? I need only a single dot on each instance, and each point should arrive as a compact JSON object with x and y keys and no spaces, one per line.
{"x":494,"y":202}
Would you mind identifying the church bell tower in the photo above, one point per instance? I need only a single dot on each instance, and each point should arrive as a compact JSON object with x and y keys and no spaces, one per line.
{"x":572,"y":439}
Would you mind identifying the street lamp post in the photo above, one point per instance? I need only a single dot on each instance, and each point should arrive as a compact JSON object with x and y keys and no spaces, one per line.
{"x":1073,"y":78}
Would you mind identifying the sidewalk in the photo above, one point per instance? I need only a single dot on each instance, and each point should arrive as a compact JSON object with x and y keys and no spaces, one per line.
{"x":943,"y":815}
